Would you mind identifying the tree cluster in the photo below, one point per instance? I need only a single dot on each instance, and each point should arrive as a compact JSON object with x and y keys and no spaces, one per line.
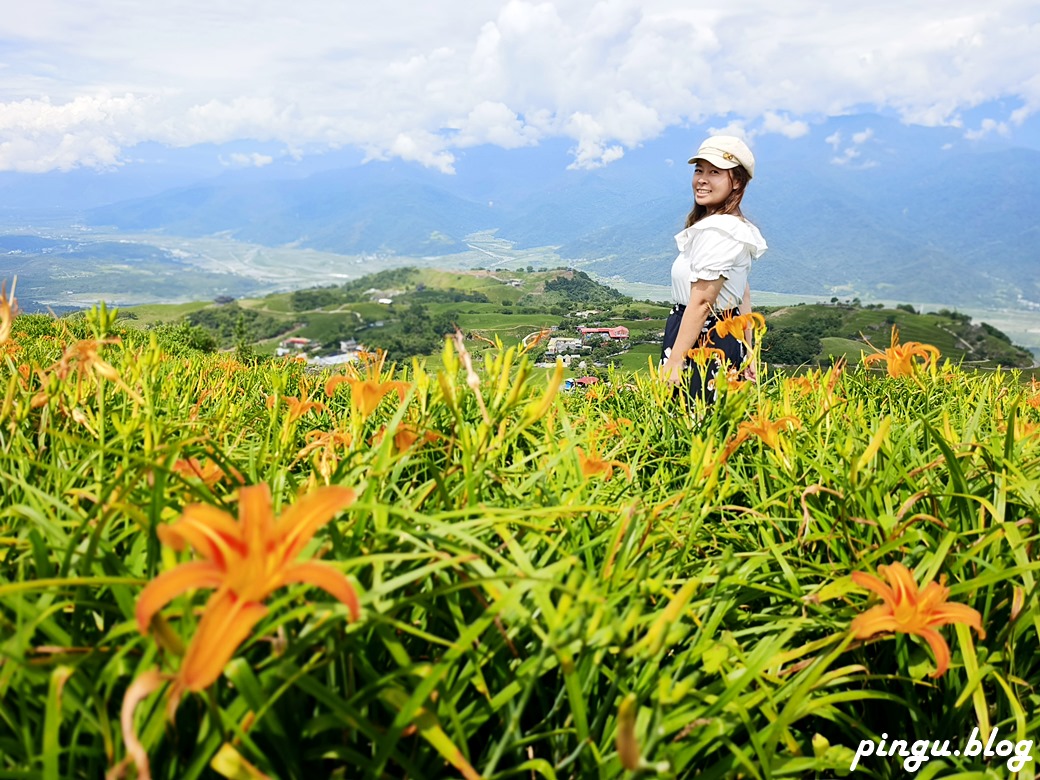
{"x":223,"y":323}
{"x":416,"y":332}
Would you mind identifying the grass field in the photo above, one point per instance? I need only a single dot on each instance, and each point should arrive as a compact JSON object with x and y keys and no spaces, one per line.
{"x":453,"y":569}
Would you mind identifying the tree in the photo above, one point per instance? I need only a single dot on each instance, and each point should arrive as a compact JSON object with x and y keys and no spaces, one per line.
{"x":787,"y":347}
{"x":243,"y":349}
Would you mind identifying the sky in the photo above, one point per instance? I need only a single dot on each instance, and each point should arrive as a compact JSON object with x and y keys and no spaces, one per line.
{"x":84,"y":83}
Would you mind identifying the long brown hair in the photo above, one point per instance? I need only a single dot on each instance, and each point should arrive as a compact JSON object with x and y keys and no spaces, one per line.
{"x":739,"y":177}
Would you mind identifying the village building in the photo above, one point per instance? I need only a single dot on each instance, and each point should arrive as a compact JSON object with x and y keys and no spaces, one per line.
{"x":560,"y":344}
{"x":618,"y":333}
{"x":295,"y":344}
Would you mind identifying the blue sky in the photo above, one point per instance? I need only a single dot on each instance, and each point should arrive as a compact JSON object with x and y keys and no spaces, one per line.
{"x":82,"y":85}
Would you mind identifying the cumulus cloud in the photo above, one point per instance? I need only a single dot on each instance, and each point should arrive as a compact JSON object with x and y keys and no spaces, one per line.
{"x":240,"y":160}
{"x":421,"y":147}
{"x":83,"y":82}
{"x":986,"y":127}
{"x":773,"y":122}
{"x":495,"y":123}
{"x":38,"y":136}
{"x":592,"y":150}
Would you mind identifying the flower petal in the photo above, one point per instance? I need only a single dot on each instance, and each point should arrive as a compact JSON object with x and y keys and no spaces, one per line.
{"x":904,"y":587}
{"x":939,"y":648}
{"x":948,"y":613}
{"x":256,"y":519}
{"x":329,"y":579}
{"x":225,"y":624}
{"x":333,"y":383}
{"x":169,"y":585}
{"x":298,"y":524}
{"x":874,"y":621}
{"x":210,"y":531}
{"x":870,"y":582}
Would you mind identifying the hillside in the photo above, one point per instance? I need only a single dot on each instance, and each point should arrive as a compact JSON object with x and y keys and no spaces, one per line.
{"x":406,"y":311}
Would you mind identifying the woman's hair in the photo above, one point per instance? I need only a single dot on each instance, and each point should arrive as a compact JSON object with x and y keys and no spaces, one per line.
{"x":739,"y":177}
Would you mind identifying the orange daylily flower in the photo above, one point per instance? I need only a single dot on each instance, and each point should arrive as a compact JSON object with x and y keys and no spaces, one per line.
{"x":1034,"y":400}
{"x":297,"y":407}
{"x":365,"y":394}
{"x":229,"y":364}
{"x":612,"y":428}
{"x":405,"y":436}
{"x":702,"y":355}
{"x":911,"y":611}
{"x":531,"y":340}
{"x":592,"y":465}
{"x":209,"y":471}
{"x":738,"y":326}
{"x":327,"y":446}
{"x":803,"y":384}
{"x":8,"y":310}
{"x":767,"y":430}
{"x":83,"y":358}
{"x":244,"y":561}
{"x":899,"y":358}
{"x":328,"y":442}
{"x":825,"y":383}
{"x":734,"y":380}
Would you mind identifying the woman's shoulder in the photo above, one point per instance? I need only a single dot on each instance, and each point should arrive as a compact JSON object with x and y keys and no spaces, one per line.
{"x":729,"y":225}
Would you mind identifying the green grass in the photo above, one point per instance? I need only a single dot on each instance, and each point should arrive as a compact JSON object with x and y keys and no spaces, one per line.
{"x":635,"y":359}
{"x":847,"y":348}
{"x":584,"y":585}
{"x":149,"y":314}
{"x":498,"y":322}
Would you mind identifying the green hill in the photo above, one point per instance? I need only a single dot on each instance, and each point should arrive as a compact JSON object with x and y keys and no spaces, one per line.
{"x":810,"y":333}
{"x":407,"y":311}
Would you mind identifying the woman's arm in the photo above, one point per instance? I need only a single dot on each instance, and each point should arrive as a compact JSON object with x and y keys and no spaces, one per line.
{"x":703,"y":295}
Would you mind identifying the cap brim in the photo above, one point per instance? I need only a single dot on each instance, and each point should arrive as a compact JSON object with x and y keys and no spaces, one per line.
{"x":717,"y":160}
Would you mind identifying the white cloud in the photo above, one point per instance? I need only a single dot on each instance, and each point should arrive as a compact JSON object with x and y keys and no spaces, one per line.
{"x":417,"y":81}
{"x":986,"y":127}
{"x":784,"y":125}
{"x":241,"y":160}
{"x":733,"y":128}
{"x":495,"y":123}
{"x":592,"y":150}
{"x":420,"y":147}
{"x":853,"y":152}
{"x":847,"y":156}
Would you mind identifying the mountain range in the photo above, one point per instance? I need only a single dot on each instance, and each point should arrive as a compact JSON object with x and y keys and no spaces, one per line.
{"x":860,"y":206}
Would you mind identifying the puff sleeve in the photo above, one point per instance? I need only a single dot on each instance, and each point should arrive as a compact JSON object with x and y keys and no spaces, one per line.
{"x":717,"y":245}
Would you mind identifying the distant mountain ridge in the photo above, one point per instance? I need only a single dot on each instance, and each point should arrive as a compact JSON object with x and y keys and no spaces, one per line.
{"x":912,"y":213}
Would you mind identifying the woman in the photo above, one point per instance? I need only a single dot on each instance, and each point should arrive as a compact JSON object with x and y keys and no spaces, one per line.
{"x":710,"y":275}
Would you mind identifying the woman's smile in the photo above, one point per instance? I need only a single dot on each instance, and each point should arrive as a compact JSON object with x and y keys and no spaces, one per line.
{"x":711,"y":185}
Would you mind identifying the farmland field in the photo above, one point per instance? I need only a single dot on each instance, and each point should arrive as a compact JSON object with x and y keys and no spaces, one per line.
{"x":216,"y":568}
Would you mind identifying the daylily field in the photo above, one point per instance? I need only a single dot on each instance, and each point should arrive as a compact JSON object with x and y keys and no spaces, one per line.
{"x":216,"y":569}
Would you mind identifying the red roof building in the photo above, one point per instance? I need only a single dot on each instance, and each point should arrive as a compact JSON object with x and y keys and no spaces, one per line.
{"x":619,"y":332}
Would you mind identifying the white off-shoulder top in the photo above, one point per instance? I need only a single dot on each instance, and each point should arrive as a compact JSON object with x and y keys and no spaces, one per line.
{"x":721,"y":245}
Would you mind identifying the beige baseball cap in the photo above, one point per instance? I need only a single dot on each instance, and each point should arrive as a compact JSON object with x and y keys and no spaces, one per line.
{"x":726,"y":151}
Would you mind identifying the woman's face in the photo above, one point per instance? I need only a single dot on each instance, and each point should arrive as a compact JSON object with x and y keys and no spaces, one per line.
{"x":711,"y":185}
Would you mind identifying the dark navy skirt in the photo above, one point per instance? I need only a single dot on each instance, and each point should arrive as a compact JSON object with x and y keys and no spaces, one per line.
{"x":702,"y":378}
